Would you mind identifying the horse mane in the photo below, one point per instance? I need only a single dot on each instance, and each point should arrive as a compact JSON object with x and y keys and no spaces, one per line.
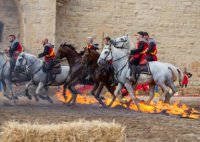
{"x":70,"y":46}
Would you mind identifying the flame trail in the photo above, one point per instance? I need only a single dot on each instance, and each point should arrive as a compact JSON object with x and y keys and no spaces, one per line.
{"x":176,"y":108}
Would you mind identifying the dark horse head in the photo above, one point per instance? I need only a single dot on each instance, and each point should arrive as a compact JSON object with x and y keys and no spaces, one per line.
{"x":68,"y":51}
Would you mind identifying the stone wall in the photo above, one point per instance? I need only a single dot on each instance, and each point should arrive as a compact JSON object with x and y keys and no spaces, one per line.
{"x":175,"y":24}
{"x":38,"y":22}
{"x":9,"y":18}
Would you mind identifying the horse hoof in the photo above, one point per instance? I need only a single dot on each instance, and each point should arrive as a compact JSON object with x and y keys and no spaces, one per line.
{"x":15,"y":98}
{"x":41,"y":97}
{"x":36,"y":99}
{"x":49,"y":100}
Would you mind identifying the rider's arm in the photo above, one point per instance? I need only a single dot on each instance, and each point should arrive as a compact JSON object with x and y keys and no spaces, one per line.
{"x":45,"y":52}
{"x":150,"y":49}
{"x":189,"y":75}
{"x":14,"y":47}
{"x":139,"y":49}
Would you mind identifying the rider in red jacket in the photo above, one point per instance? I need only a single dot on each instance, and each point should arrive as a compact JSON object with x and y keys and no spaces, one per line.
{"x":138,"y":54}
{"x":49,"y":55}
{"x":152,"y":50}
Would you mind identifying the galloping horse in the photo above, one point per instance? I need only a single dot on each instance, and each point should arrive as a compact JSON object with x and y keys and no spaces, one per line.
{"x":77,"y":71}
{"x":34,"y":67}
{"x":5,"y":76}
{"x":162,"y":74}
{"x":102,"y":75}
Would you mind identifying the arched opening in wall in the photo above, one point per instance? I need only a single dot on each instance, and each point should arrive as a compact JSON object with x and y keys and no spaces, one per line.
{"x":10,"y":21}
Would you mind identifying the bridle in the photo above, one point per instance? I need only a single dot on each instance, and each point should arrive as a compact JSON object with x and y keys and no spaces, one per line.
{"x":114,"y":43}
{"x":111,"y":60}
{"x":27,"y":68}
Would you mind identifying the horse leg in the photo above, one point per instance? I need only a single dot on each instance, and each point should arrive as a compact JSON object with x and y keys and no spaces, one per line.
{"x":151,"y":93}
{"x":9,"y":84}
{"x":97,"y":96}
{"x":111,"y":90}
{"x":174,"y":90}
{"x":129,"y":87}
{"x":4,"y":91}
{"x":26,"y":90}
{"x":117,"y":92}
{"x":165,"y":91}
{"x":99,"y":89}
{"x":95,"y":87}
{"x":64,"y":90}
{"x":37,"y":92}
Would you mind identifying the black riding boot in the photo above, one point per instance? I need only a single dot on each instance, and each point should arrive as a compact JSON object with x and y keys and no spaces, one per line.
{"x":133,"y":74}
{"x":49,"y":77}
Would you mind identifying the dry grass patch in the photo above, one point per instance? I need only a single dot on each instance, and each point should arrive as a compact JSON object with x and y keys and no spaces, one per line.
{"x":77,"y":131}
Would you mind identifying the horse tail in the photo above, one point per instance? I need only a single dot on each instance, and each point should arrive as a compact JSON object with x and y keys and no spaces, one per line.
{"x":180,"y":76}
{"x":174,"y":73}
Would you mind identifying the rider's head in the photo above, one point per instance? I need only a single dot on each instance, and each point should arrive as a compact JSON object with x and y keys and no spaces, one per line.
{"x":89,"y":40}
{"x":11,"y":38}
{"x":139,"y":35}
{"x":146,"y":36}
{"x":45,"y":41}
{"x":107,"y":40}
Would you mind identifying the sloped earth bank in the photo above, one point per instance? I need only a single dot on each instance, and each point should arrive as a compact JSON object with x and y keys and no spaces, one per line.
{"x":140,"y":127}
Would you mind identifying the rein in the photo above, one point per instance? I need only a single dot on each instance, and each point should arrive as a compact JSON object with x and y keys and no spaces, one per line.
{"x":111,"y":61}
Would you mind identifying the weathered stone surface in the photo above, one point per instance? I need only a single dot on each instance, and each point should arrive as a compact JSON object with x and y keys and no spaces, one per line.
{"x":175,"y":24}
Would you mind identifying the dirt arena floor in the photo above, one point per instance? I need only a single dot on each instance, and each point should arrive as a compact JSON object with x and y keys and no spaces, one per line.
{"x":140,"y":127}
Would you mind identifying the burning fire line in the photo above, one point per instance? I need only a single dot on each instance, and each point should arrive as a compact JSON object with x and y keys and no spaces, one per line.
{"x":176,"y":108}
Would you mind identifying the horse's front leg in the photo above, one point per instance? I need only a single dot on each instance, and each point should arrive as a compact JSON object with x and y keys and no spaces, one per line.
{"x":117,"y":92}
{"x":111,"y":90}
{"x":151,"y":93}
{"x":38,"y":90}
{"x":97,"y":96}
{"x":129,"y":87}
{"x":4,"y":90}
{"x":9,"y":85}
{"x":26,"y":90}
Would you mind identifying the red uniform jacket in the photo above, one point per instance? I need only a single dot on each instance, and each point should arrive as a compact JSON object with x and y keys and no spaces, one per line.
{"x":140,"y":51}
{"x":152,"y":50}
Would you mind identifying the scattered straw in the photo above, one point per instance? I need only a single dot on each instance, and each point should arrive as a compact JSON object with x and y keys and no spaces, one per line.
{"x":77,"y":131}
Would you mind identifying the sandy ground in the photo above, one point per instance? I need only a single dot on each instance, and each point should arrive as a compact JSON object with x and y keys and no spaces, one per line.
{"x":140,"y":127}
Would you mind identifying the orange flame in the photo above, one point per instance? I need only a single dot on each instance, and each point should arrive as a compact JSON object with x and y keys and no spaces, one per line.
{"x":176,"y":108}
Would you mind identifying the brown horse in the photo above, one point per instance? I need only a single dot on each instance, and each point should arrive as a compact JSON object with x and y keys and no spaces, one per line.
{"x":77,"y":71}
{"x":102,"y":75}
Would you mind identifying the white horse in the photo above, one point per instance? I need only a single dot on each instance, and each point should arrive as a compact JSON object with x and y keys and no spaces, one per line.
{"x":162,"y":74}
{"x":39,"y":77}
{"x":5,"y":75}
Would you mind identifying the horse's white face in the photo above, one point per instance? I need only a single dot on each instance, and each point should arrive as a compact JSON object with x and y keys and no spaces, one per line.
{"x":106,"y":55}
{"x":121,"y":42}
{"x":21,"y":62}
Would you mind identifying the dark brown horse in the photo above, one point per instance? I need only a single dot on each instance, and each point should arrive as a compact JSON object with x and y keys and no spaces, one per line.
{"x":102,"y":75}
{"x":77,"y":71}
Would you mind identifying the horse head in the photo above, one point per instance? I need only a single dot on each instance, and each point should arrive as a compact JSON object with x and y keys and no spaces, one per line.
{"x":20,"y":62}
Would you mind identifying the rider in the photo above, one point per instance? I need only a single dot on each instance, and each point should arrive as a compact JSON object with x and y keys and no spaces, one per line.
{"x":89,"y":45}
{"x":49,"y":55}
{"x":14,"y":50}
{"x":138,"y":54}
{"x":152,"y":50}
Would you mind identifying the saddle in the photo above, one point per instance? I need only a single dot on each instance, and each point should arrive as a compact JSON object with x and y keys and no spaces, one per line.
{"x":142,"y":69}
{"x":56,"y":69}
